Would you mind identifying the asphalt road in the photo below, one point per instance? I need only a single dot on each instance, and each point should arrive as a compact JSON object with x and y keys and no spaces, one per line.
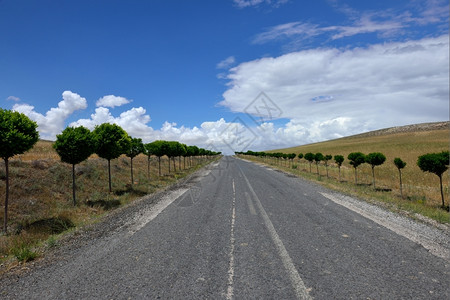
{"x":239,"y":231}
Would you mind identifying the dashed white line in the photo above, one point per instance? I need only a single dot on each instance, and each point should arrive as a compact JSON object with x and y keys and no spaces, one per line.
{"x":230,"y":291}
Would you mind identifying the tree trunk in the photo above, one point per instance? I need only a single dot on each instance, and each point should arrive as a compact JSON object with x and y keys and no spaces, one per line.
{"x":317,"y":166}
{"x":401,"y":188}
{"x":373,"y":177}
{"x":73,"y":185}
{"x":356,"y":176}
{"x":442,"y":192}
{"x":169,"y":165}
{"x":174,"y":165}
{"x":109,"y":175}
{"x":5,"y":221}
{"x":339,"y":173}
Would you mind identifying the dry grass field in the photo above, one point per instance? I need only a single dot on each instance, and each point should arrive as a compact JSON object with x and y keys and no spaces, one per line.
{"x":408,"y":143}
{"x":41,"y":192}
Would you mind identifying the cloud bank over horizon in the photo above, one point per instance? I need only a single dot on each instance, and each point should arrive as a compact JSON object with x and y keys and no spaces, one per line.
{"x":320,"y":94}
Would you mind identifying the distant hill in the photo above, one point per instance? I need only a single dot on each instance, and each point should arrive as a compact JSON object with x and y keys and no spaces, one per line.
{"x":407,"y":133}
{"x":406,"y":128}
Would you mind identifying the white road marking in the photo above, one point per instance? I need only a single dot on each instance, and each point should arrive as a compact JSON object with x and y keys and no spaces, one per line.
{"x":392,"y":222}
{"x":230,"y":291}
{"x":251,"y":207}
{"x":149,"y":214}
{"x":297,"y":283}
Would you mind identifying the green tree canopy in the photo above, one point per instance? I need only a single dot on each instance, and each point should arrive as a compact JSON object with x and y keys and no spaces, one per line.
{"x":17,"y":135}
{"x":111,"y":141}
{"x":339,"y":159}
{"x":136,"y":148}
{"x":400,"y":164}
{"x":74,"y":144}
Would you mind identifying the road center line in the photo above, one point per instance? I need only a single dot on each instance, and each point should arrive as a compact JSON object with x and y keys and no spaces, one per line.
{"x":230,"y":291}
{"x":297,"y":283}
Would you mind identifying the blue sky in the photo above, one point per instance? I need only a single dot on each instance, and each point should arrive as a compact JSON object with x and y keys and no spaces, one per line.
{"x":226,"y":75}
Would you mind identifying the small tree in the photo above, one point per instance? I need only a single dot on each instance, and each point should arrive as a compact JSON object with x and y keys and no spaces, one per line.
{"x":310,"y":158}
{"x":172,"y":152}
{"x":300,"y":156}
{"x":356,"y":159}
{"x":136,"y":148}
{"x":73,"y":146}
{"x":400,"y":164}
{"x":326,"y":158}
{"x":158,"y":148}
{"x":318,"y":157}
{"x":339,"y":159}
{"x":18,"y":134}
{"x":436,"y":163}
{"x":111,"y":141}
{"x":375,"y":159}
{"x":291,"y":157}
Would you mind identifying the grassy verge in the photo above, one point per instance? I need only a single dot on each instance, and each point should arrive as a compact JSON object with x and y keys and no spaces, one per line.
{"x":41,"y":208}
{"x":410,"y":206}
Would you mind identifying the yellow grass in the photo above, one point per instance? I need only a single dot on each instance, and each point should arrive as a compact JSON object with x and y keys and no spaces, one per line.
{"x":418,"y":187}
{"x":41,"y":187}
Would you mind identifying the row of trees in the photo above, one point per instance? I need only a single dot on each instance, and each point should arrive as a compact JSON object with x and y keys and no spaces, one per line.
{"x":18,"y":134}
{"x":436,"y":163}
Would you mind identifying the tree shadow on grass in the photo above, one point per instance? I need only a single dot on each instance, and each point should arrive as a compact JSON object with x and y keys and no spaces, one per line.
{"x":54,"y":225}
{"x":105,"y":204}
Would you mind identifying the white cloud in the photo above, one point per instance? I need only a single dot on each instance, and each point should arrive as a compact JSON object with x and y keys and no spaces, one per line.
{"x":226,"y":63}
{"x":133,"y":121}
{"x":250,"y":3}
{"x":112,"y":101}
{"x":53,"y":122}
{"x":13,"y":98}
{"x":378,"y":86}
{"x":385,"y":23}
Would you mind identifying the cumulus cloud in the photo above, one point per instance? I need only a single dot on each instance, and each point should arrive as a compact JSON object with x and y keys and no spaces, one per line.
{"x":379,"y":86}
{"x":112,"y":101}
{"x":133,"y":121}
{"x":52,"y":123}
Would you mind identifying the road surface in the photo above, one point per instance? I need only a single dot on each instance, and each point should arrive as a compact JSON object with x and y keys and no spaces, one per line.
{"x":242,"y":231}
